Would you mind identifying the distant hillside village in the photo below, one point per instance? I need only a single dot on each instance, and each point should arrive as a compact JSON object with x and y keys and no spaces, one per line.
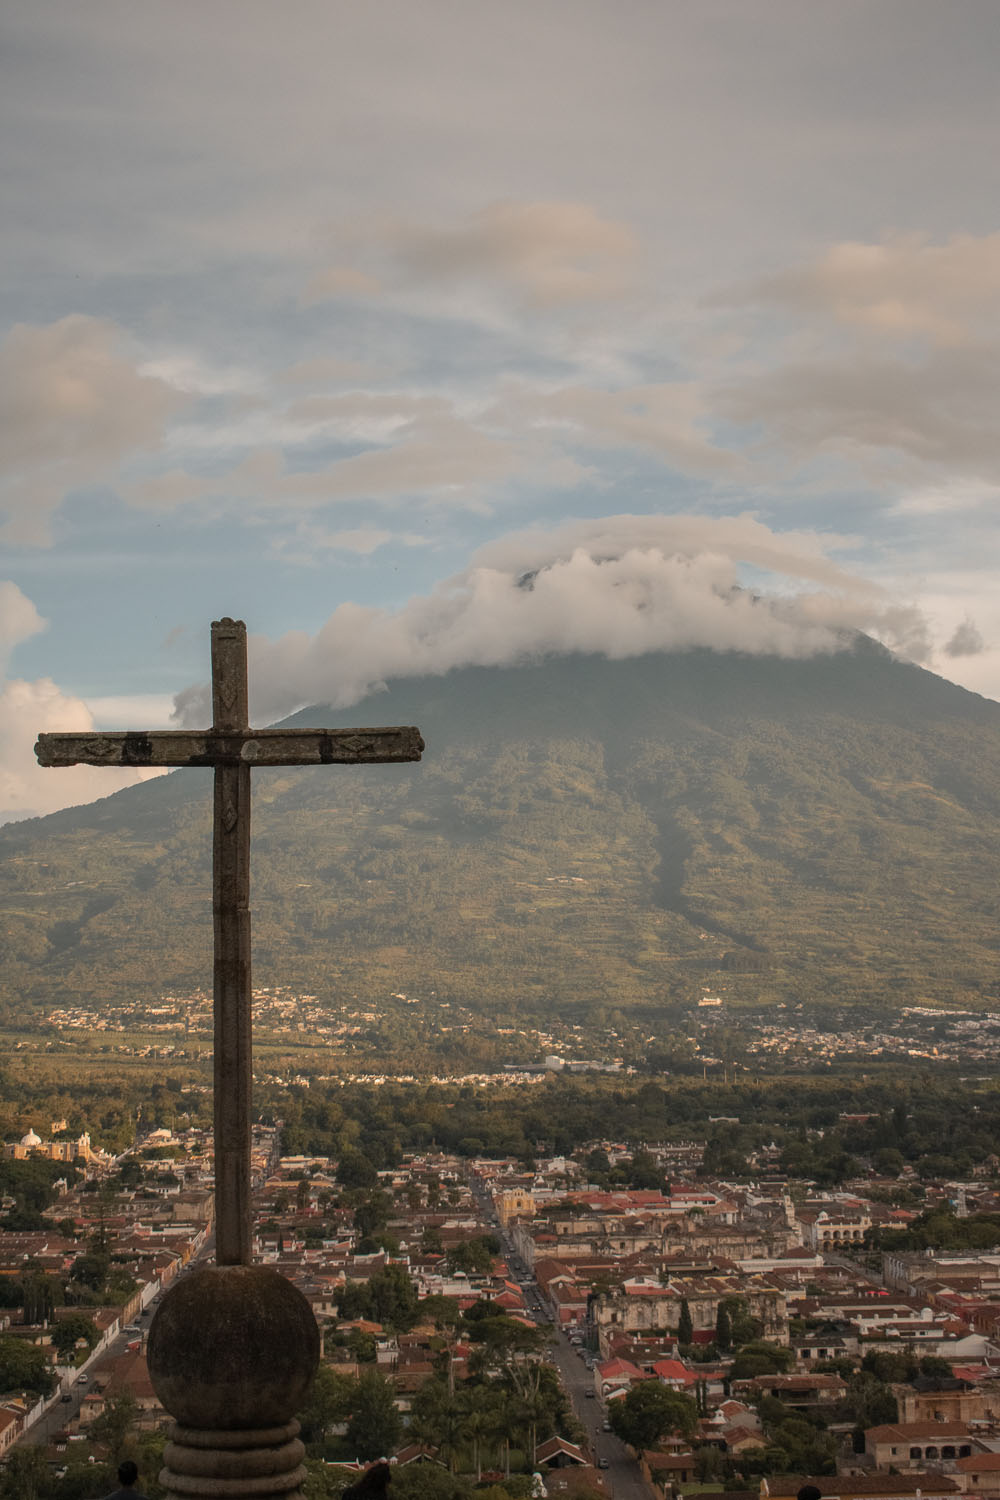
{"x":719,"y":1335}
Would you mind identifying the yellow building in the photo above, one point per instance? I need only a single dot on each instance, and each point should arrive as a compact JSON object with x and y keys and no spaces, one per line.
{"x":514,"y":1203}
{"x":33,"y":1145}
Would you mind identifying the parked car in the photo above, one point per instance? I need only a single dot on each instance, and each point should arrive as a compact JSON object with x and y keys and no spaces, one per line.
{"x":82,"y":1380}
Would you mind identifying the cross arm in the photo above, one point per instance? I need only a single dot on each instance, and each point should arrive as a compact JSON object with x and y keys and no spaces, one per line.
{"x":253,"y":747}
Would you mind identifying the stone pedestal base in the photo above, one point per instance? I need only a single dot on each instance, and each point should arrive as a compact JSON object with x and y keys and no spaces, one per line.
{"x":232,"y":1353}
{"x":265,"y":1463}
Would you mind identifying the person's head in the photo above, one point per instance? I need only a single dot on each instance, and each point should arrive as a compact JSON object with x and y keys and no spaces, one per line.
{"x":128,"y":1473}
{"x":809,"y":1492}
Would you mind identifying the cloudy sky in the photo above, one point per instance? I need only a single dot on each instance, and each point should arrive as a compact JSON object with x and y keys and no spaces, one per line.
{"x":355,"y":321}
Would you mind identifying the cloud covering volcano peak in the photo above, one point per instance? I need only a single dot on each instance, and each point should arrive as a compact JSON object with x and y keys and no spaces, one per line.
{"x":619,"y":586}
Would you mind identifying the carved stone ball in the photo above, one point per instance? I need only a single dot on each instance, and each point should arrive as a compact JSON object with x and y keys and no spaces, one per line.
{"x":233,"y":1348}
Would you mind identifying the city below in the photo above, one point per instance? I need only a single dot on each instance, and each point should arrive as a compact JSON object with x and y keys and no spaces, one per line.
{"x":642,"y":1322}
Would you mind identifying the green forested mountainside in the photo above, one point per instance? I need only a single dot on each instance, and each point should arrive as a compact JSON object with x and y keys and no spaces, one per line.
{"x":582,"y":834}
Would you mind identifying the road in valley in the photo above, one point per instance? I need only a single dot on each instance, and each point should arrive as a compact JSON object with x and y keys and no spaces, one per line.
{"x":622,"y":1476}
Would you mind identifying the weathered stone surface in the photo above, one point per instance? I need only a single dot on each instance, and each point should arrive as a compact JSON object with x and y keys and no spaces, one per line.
{"x":233,"y":1348}
{"x":245,"y":746}
{"x":257,"y":1465}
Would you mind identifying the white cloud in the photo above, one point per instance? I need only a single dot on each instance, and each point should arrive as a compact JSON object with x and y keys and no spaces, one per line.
{"x":325,"y":371}
{"x":19,"y":620}
{"x":620,"y":586}
{"x":548,"y":253}
{"x":966,"y":640}
{"x":28,"y":709}
{"x":669,"y":420}
{"x":74,"y":404}
{"x":411,"y":445}
{"x":902,"y":287}
{"x":544,"y":255}
{"x":189,"y":373}
{"x":895,"y":418}
{"x":131,"y":710}
{"x":27,"y":790}
{"x":955,"y":499}
{"x":888,"y":356}
{"x":311,"y":543}
{"x":339,"y":281}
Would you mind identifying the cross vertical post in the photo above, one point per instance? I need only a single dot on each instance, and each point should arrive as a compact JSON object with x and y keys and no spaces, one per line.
{"x":231,"y":966}
{"x":232,"y":748}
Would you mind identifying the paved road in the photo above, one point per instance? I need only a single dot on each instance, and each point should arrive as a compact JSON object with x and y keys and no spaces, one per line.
{"x":622,"y":1476}
{"x":60,"y":1412}
{"x":867,"y":1273}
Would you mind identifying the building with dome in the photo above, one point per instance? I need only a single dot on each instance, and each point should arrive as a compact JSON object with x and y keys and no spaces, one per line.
{"x":31,"y":1144}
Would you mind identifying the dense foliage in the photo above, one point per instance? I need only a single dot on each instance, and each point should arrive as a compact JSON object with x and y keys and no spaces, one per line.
{"x":649,"y":1412}
{"x":941,"y":1125}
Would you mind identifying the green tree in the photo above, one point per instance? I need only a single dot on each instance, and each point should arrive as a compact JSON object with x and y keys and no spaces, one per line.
{"x":478,"y":1423}
{"x":354,"y":1169}
{"x":443,"y":1312}
{"x":797,"y":1446}
{"x":474,"y":1255}
{"x":889,"y":1366}
{"x":330,"y":1400}
{"x":23,"y":1367}
{"x":42,"y":1295}
{"x":436,"y":1419}
{"x":685,"y":1327}
{"x":371,"y":1213}
{"x":745,"y":1328}
{"x":649,"y":1411}
{"x":91,"y":1270}
{"x":760,"y":1358}
{"x":387,"y":1297}
{"x":68,"y":1332}
{"x":708,"y":1463}
{"x":83,"y":1480}
{"x":374,"y":1426}
{"x":116,"y":1423}
{"x":130,"y":1174}
{"x":25,"y":1474}
{"x":322,"y":1482}
{"x":430,"y":1482}
{"x":869,"y":1401}
{"x":643,"y":1173}
{"x":597,"y":1163}
{"x":362,"y":1346}
{"x":723,"y":1329}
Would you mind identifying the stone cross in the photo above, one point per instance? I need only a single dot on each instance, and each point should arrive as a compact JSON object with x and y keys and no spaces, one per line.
{"x":232,"y":747}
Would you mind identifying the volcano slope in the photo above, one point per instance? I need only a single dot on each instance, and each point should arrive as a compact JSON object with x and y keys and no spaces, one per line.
{"x":582,"y":835}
